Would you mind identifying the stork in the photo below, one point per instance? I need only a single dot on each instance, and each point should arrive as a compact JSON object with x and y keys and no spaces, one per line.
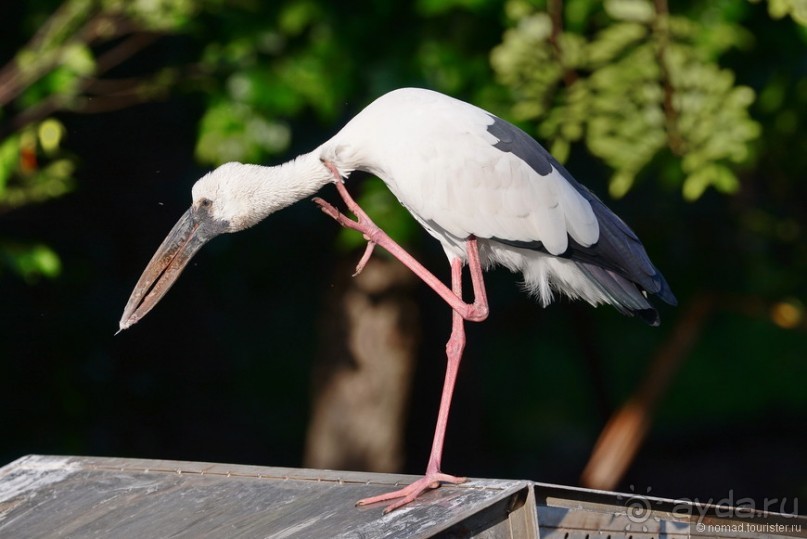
{"x":488,"y":192}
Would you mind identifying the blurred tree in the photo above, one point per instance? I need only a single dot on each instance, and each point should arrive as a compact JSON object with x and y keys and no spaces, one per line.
{"x":369,"y":342}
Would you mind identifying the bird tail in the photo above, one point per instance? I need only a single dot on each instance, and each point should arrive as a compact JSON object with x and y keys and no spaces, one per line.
{"x":624,"y":295}
{"x":544,"y":275}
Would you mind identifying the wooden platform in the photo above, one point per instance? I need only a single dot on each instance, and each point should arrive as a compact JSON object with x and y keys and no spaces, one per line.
{"x":77,"y":497}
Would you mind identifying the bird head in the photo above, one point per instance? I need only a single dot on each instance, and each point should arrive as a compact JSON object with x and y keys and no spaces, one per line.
{"x":221,"y":203}
{"x":233,"y":197}
{"x":224,"y":200}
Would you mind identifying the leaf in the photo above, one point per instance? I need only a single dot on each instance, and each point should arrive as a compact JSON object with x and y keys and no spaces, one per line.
{"x":797,"y":9}
{"x":630,"y":10}
{"x":614,"y":40}
{"x":237,"y":132}
{"x":31,"y":262}
{"x":560,"y":149}
{"x":50,"y":133}
{"x":524,"y":62}
{"x":9,"y":158}
{"x":713,"y":174}
{"x":78,"y":59}
{"x":620,"y":183}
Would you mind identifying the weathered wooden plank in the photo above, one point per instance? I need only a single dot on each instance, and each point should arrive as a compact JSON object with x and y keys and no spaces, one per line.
{"x":108,"y":497}
{"x":111,"y":497}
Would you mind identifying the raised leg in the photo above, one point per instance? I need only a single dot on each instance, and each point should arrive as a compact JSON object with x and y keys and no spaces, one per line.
{"x":461,"y":311}
{"x":476,"y":311}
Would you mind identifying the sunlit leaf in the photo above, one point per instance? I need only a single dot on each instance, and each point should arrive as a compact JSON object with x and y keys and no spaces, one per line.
{"x":77,"y":58}
{"x":236,"y":132}
{"x":620,"y":183}
{"x":630,"y":10}
{"x":157,"y":14}
{"x":643,"y":84}
{"x":613,"y":40}
{"x":50,"y":134}
{"x":797,"y":9}
{"x":714,"y":175}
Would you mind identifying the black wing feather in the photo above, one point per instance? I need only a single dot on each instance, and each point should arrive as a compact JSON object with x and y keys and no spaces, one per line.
{"x":618,"y":263}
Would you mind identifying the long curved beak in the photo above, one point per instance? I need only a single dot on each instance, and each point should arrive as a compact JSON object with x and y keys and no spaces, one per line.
{"x":166,"y":265}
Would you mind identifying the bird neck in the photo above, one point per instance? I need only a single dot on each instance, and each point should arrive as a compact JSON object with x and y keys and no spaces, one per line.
{"x":274,"y":188}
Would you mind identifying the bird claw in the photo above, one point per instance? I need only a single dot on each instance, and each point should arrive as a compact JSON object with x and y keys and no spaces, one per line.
{"x":368,"y":251}
{"x":411,"y":492}
{"x":331,"y":211}
{"x":327,"y":208}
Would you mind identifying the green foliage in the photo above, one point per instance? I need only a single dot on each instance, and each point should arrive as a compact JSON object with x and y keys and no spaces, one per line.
{"x":154,"y":15}
{"x":59,"y":69}
{"x":641,"y":84}
{"x":33,"y":169}
{"x":272,"y":71}
{"x":797,"y":9}
{"x":438,"y":7}
{"x":9,"y":157}
{"x":30,"y":261}
{"x":23,"y":180}
{"x":236,"y":132}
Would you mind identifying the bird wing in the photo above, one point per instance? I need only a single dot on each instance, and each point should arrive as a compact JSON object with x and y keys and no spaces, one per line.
{"x":465,"y":172}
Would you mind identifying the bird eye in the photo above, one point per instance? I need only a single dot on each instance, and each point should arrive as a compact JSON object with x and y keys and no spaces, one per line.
{"x":205,"y":203}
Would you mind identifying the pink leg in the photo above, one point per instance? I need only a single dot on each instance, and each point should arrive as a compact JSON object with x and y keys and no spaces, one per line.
{"x":434,"y":477}
{"x":461,"y":311}
{"x":475,"y":312}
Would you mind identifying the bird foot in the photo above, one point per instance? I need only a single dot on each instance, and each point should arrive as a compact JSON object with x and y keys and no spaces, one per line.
{"x":411,"y":492}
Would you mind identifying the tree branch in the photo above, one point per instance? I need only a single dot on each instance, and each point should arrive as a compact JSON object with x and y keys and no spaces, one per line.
{"x":661,"y":29}
{"x":555,"y":10}
{"x":119,"y":94}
